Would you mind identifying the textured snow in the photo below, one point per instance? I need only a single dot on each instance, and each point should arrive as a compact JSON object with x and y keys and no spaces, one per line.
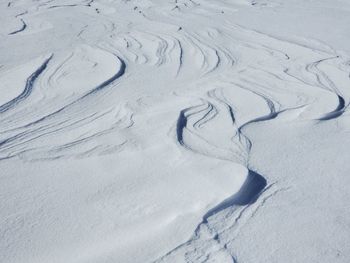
{"x":174,"y":131}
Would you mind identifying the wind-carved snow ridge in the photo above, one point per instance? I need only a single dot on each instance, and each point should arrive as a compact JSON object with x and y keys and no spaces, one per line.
{"x":191,"y":134}
{"x":174,"y":131}
{"x":57,"y":116}
{"x":194,"y":133}
{"x":325,"y":82}
{"x":23,"y":27}
{"x":27,"y":89}
{"x":247,"y":195}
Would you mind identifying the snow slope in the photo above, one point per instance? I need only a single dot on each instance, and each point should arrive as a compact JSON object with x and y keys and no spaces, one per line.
{"x":174,"y":131}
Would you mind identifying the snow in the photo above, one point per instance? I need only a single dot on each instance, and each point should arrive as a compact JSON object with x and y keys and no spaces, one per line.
{"x":174,"y":131}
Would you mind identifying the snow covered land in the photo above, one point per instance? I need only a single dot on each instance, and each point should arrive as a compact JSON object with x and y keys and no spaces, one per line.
{"x":155,"y":131}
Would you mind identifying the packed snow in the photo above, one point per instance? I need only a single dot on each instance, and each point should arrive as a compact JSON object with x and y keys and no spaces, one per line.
{"x":174,"y":131}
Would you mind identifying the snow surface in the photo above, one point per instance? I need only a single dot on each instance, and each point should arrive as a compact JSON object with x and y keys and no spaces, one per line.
{"x":174,"y":131}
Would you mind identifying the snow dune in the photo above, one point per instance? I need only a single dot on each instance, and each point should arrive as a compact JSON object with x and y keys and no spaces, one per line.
{"x":174,"y":131}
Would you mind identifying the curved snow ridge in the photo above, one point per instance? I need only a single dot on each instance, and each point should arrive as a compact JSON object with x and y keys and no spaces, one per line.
{"x":116,"y":76}
{"x":89,"y":70}
{"x":196,"y":127}
{"x":183,"y":51}
{"x":62,"y":4}
{"x":247,"y":194}
{"x":213,"y":237}
{"x":23,"y":27}
{"x":149,"y":48}
{"x":337,"y":112}
{"x":64,"y":114}
{"x":208,"y":57}
{"x":109,"y":137}
{"x":200,"y":48}
{"x":27,"y":89}
{"x":192,"y":134}
{"x":197,"y":131}
{"x":325,"y":82}
{"x":95,"y":133}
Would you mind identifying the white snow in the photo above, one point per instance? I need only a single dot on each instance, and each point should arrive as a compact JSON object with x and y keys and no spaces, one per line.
{"x":174,"y":131}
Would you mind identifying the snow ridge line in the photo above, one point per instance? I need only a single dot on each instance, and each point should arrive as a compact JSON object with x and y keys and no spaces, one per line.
{"x":95,"y":90}
{"x":27,"y":134}
{"x":254,"y":184}
{"x":23,"y":27}
{"x":27,"y":89}
{"x":329,"y":85}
